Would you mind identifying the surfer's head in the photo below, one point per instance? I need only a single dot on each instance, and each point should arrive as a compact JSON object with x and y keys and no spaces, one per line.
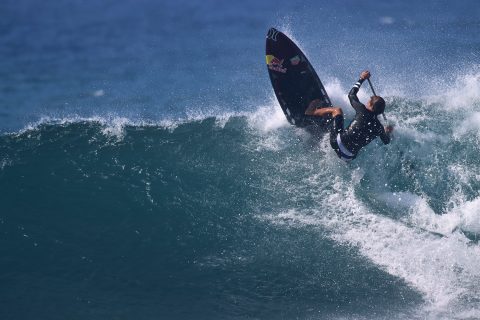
{"x":376,"y":104}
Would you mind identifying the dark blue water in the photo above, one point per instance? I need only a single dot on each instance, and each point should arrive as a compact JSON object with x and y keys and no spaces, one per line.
{"x":147,"y":172}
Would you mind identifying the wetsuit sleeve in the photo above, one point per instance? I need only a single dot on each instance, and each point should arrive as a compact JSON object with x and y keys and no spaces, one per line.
{"x":352,"y":96}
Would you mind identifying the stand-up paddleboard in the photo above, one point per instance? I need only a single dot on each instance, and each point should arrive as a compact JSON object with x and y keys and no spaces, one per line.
{"x":295,"y":82}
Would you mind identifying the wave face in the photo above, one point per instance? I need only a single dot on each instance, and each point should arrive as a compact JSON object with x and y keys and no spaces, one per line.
{"x":242,"y":216}
{"x":147,"y":172}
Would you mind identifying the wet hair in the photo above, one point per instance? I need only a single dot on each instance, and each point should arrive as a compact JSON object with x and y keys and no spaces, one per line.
{"x":378,"y":105}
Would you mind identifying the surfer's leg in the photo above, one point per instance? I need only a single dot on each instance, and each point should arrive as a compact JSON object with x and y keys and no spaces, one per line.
{"x":337,"y":125}
{"x":335,"y":129}
{"x":324,"y":111}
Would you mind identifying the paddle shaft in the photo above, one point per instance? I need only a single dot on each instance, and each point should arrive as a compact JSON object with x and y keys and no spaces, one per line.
{"x":373,"y":90}
{"x":371,"y":87}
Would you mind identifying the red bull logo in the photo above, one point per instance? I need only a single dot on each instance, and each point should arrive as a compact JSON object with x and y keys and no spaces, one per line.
{"x":295,"y":60}
{"x":275,"y":64}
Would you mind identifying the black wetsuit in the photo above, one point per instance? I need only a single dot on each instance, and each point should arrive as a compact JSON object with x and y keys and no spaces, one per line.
{"x":362,"y":130}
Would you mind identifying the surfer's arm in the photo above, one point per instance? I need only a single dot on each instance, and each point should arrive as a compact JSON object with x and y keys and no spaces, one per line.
{"x":352,"y":96}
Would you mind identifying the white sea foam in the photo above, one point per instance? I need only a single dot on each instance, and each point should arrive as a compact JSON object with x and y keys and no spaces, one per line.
{"x":338,"y":93}
{"x":268,"y":117}
{"x":445,"y":270}
{"x":214,"y":112}
{"x":465,"y":92}
{"x":470,"y":124}
{"x":114,"y":126}
{"x":465,"y":216}
{"x":462,"y":93}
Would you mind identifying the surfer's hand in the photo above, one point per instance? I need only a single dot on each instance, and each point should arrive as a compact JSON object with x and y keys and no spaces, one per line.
{"x":388,"y":129}
{"x":365,"y":75}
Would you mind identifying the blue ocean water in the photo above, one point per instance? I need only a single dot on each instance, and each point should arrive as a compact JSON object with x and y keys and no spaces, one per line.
{"x":147,"y":171}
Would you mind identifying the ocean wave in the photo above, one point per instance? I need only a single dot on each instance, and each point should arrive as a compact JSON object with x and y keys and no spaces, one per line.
{"x":409,"y":208}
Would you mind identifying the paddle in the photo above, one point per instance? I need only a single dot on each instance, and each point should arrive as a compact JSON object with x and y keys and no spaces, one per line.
{"x":371,"y":87}
{"x":373,"y":90}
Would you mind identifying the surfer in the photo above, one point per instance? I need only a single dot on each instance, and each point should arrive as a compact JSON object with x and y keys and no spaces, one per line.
{"x":364,"y":128}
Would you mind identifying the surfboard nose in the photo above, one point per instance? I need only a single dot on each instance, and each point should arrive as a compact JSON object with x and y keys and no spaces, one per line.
{"x":294,"y":80}
{"x":272,"y":34}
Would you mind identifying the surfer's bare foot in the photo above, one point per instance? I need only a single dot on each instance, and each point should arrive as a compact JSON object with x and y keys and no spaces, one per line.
{"x":310,"y":110}
{"x":312,"y":106}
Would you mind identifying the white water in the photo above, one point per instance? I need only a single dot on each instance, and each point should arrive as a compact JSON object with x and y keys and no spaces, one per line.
{"x":407,"y":243}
